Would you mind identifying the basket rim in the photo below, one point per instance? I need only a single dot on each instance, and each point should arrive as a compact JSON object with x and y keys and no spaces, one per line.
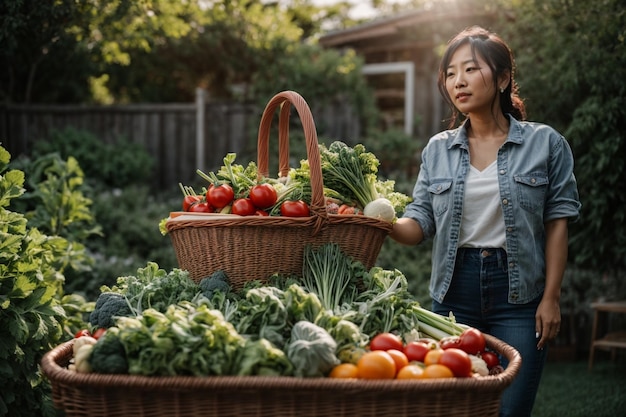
{"x":278,"y":221}
{"x":53,"y":366}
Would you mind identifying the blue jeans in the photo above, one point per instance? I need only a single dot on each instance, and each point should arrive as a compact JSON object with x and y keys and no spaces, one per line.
{"x":478,"y":297}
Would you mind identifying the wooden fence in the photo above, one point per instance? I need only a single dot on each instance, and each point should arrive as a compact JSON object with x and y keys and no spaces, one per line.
{"x":180,"y":137}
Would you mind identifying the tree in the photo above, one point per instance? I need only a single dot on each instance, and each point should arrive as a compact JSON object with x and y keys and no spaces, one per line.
{"x":571,"y":57}
{"x":55,"y":49}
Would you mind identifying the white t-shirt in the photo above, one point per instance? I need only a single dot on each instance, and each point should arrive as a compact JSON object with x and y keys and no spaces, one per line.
{"x":482,"y":225}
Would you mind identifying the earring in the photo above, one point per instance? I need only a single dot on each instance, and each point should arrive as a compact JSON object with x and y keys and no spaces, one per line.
{"x":501,"y":89}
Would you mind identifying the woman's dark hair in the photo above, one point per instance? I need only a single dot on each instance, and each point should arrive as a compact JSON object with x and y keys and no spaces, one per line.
{"x":497,"y":55}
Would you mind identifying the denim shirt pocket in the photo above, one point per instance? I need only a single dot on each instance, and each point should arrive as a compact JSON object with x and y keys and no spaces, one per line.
{"x":531,"y":190}
{"x":440,"y":195}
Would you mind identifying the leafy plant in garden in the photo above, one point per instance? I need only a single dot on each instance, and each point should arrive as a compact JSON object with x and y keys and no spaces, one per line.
{"x":587,"y":103}
{"x":32,"y":316}
{"x":113,"y":165}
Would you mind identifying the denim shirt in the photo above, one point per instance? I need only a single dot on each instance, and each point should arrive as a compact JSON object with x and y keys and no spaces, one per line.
{"x":537,"y":184}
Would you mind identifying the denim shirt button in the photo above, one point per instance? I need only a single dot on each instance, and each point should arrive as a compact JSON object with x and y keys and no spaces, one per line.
{"x":533,"y":180}
{"x":505,"y":201}
{"x":502,"y":172}
{"x":511,"y":264}
{"x":514,"y":296}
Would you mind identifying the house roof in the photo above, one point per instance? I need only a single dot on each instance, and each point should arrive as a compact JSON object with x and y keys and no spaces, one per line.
{"x":394,"y":25}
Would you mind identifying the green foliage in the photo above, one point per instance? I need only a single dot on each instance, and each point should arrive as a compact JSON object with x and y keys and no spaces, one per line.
{"x":117,"y":225}
{"x":38,"y":53}
{"x":112,"y":165}
{"x":129,"y":219}
{"x":320,"y":76}
{"x":397,"y":151}
{"x":574,"y":82}
{"x":32,"y":317}
{"x":56,"y":204}
{"x":65,"y":43}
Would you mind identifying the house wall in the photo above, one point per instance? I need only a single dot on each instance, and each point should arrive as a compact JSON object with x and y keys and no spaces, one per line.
{"x":419,"y":37}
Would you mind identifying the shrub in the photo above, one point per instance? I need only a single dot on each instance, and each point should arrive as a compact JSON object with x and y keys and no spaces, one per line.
{"x":31,"y":284}
{"x":113,"y":165}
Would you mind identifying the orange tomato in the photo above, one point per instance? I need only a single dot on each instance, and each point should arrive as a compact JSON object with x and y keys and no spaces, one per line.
{"x":432,"y":356}
{"x":345,"y":370}
{"x":399,"y":358}
{"x":376,"y":364}
{"x":410,"y":371}
{"x":437,"y":371}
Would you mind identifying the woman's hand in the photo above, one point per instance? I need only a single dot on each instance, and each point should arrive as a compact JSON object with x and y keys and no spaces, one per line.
{"x":548,"y":321}
{"x":548,"y":316}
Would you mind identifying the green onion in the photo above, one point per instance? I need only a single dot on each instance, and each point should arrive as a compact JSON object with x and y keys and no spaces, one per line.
{"x":438,"y":326}
{"x":326,"y":272}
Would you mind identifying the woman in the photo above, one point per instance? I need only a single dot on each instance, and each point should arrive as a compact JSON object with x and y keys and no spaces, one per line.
{"x":496,"y":195}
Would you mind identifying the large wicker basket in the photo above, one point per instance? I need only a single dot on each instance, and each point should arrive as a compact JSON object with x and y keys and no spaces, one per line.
{"x":96,"y":395}
{"x":255,"y":247}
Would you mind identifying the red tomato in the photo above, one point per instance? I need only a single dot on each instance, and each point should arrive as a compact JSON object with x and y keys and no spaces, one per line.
{"x":201,"y":207}
{"x":472,"y":341}
{"x":220,"y":196}
{"x":190,"y":200}
{"x":449,"y":342}
{"x":490,"y":358}
{"x":98,"y":333}
{"x":386,"y":341}
{"x":261,"y":213}
{"x":416,"y":351}
{"x":457,"y":360}
{"x":263,"y":195}
{"x":294,"y":209}
{"x":243,"y":207}
{"x":83,"y":332}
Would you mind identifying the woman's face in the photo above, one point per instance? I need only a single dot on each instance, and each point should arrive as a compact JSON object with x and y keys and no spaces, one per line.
{"x":469,"y":82}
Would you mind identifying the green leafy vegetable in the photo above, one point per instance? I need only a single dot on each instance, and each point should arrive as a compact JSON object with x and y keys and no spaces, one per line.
{"x":260,"y":357}
{"x":327,"y":272}
{"x":352,"y":172}
{"x":311,"y":350}
{"x":184,"y":340}
{"x":217,"y":281}
{"x":108,"y":306}
{"x":108,"y":355}
{"x":240,"y":178}
{"x":262,"y":315}
{"x":155,"y":288}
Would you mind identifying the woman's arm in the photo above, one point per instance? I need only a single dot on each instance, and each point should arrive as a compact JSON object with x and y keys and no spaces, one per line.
{"x":548,"y":316}
{"x":407,"y":231}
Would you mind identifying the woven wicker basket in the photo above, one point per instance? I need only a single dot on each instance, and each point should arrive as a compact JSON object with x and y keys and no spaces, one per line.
{"x":255,"y":247}
{"x":95,"y":395}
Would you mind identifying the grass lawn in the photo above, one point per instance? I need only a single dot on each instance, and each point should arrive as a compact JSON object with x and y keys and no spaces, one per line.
{"x":568,"y":389}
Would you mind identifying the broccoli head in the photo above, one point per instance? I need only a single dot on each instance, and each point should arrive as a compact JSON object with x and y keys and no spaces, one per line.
{"x":108,"y":355}
{"x":217,"y":281}
{"x":108,"y":306}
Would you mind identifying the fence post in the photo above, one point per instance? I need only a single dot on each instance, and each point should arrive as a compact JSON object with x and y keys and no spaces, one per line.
{"x":200,"y":99}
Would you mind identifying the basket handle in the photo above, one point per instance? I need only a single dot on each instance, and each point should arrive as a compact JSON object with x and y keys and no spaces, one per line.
{"x":285,"y":100}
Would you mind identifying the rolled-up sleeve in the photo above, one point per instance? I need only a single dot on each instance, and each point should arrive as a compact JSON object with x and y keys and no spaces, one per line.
{"x":563,"y":200}
{"x":420,"y":209}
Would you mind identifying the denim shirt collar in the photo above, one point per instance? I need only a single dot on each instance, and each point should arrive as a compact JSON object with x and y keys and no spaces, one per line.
{"x":461,"y":139}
